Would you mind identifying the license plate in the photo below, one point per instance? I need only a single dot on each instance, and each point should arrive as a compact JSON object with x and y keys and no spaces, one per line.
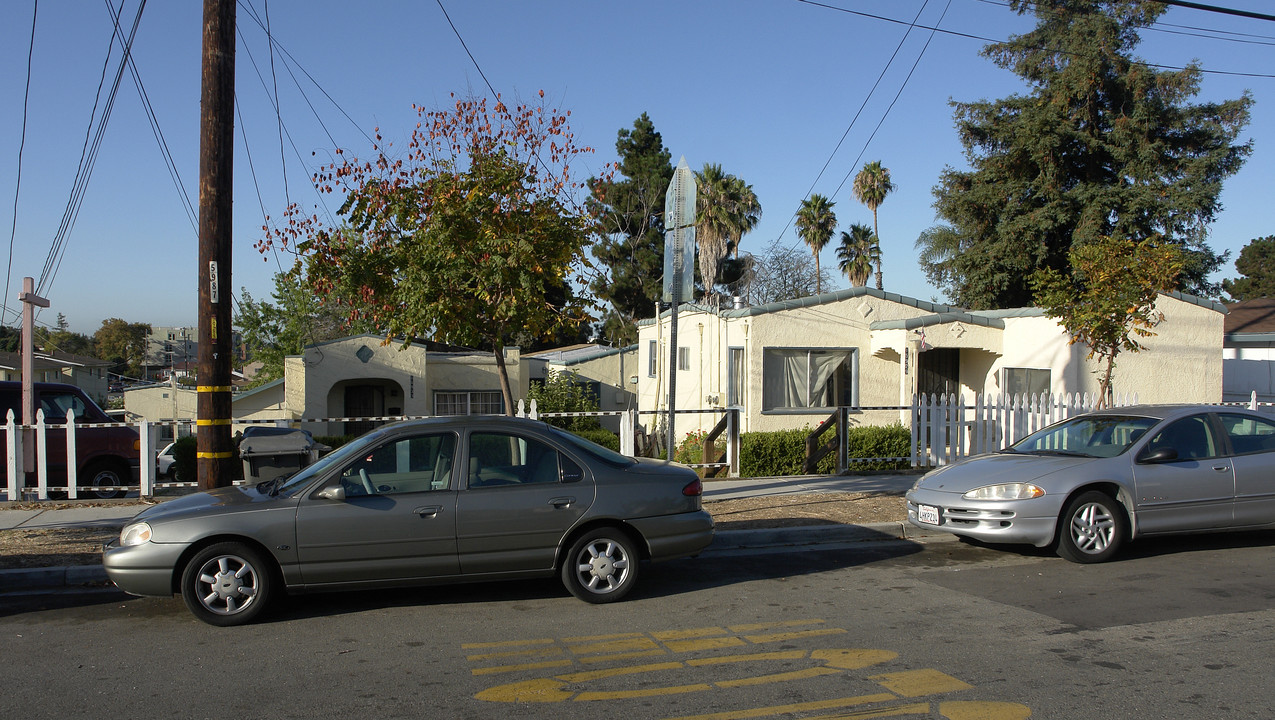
{"x":927,"y":514}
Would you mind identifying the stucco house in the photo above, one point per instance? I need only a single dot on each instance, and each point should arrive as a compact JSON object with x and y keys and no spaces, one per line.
{"x":787,"y":364}
{"x":610,"y":373}
{"x":1248,"y":352}
{"x":355,"y":377}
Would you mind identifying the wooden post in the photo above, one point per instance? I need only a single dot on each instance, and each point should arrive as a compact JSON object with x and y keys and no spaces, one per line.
{"x":216,"y":174}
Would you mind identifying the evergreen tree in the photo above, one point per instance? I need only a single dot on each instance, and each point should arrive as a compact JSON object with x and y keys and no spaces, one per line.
{"x":631,"y":211}
{"x":1101,"y":145}
{"x":1257,"y":264}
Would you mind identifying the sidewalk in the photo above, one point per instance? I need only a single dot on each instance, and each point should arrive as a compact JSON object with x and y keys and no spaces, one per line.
{"x":114,"y":514}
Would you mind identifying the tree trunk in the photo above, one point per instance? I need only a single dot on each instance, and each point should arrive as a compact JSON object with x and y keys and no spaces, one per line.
{"x":1104,"y":386}
{"x":877,"y":236}
{"x":505,"y":392}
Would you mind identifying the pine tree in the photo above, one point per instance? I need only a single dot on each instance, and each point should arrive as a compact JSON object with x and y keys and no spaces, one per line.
{"x":1101,"y":145}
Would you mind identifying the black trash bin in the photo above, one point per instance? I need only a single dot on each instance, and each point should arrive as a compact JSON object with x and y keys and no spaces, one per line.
{"x":269,"y":452}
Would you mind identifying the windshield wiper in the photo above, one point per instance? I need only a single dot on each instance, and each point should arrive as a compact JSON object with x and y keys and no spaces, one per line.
{"x":1061,"y":453}
{"x":270,"y":486}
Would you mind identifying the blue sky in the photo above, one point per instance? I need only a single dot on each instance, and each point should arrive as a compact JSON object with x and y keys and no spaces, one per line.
{"x":766,"y":88}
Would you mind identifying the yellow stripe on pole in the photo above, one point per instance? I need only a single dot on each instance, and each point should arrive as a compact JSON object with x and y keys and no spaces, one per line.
{"x":214,"y":455}
{"x":216,"y":421}
{"x":213,"y":388}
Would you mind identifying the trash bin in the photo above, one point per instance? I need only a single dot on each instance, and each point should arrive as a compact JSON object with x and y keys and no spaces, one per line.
{"x":270,"y":452}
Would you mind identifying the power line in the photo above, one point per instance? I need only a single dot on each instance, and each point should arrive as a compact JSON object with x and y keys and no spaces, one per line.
{"x":466,"y":47}
{"x":858,"y":112}
{"x":17,"y":188}
{"x":283,"y":161}
{"x":169,"y":163}
{"x":970,"y":36}
{"x":87,"y":162}
{"x":1221,"y":10}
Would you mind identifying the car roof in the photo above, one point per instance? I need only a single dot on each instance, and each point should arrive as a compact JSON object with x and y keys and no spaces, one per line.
{"x":1167,"y":411}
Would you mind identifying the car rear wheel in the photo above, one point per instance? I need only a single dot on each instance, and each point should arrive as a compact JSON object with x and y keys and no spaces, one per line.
{"x":1092,"y":528}
{"x":101,"y":475}
{"x":601,"y":566}
{"x":227,"y":584}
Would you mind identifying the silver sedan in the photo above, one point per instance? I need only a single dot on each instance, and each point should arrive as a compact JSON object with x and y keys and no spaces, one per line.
{"x":1095,"y":481}
{"x":421,"y":502}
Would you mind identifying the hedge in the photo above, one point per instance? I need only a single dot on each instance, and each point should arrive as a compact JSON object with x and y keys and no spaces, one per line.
{"x":779,"y":453}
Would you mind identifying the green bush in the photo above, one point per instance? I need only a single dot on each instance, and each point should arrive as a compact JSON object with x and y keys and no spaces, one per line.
{"x":780,"y":453}
{"x":601,"y":436}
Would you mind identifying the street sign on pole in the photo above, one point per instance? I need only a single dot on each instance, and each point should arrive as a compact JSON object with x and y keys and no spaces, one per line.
{"x":679,"y":267}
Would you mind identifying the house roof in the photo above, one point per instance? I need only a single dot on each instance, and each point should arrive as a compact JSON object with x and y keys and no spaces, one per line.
{"x":1251,"y":316}
{"x":941,"y":313}
{"x":575,"y":354}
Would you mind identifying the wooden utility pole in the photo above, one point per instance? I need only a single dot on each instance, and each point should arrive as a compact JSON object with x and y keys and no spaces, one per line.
{"x":216,"y":174}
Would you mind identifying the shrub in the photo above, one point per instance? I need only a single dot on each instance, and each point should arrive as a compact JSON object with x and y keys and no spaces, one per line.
{"x":601,"y":436}
{"x":691,"y":450}
{"x":782,"y":452}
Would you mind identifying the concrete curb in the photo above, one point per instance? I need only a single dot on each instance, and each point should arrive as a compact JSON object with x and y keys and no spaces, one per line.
{"x":726,"y":542}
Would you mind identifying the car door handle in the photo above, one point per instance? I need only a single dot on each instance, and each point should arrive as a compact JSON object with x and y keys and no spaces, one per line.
{"x":562,"y":502}
{"x":1221,"y":468}
{"x":428,"y":511}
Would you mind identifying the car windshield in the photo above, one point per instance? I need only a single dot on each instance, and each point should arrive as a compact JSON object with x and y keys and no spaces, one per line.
{"x":604,"y":454}
{"x":336,"y":457}
{"x":1087,"y":436}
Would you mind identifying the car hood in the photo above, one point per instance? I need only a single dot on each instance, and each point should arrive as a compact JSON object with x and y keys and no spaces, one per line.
{"x":985,"y":470}
{"x":212,"y":502}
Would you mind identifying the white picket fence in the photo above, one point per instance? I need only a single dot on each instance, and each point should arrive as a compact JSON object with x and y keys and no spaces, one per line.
{"x":946,"y":428}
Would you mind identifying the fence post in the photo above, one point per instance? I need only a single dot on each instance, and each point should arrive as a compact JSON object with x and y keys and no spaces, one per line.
{"x":627,"y":432}
{"x":146,"y":473}
{"x":843,"y":439}
{"x":915,"y":413}
{"x":732,"y":440}
{"x":1252,"y":401}
{"x":41,"y":457}
{"x":535,"y":410}
{"x":14,"y":465}
{"x":72,"y":462}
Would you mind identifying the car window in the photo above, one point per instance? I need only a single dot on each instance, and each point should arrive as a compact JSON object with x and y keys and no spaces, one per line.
{"x":55,"y":405}
{"x":497,"y":459}
{"x":1192,"y":438}
{"x":1248,"y":434}
{"x":420,"y":463}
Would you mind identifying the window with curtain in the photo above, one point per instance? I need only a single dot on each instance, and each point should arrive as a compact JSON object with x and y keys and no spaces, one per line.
{"x":1029,"y":381}
{"x":807,"y":378}
{"x":735,"y":377}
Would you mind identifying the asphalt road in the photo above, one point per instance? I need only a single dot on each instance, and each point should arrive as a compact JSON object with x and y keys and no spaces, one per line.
{"x":1178,"y":628}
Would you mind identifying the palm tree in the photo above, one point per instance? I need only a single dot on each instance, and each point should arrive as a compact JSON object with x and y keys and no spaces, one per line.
{"x":713,"y":221}
{"x":857,"y":252}
{"x":871,"y":186}
{"x":815,"y":224}
{"x":725,"y":209}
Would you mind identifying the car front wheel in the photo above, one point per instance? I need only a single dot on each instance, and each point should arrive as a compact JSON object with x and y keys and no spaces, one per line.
{"x":227,"y":584}
{"x":601,"y":567}
{"x":1092,"y":528}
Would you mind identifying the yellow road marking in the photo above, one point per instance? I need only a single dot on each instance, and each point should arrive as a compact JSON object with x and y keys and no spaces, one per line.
{"x":784,"y":637}
{"x":667,"y":635}
{"x":622,"y":656}
{"x":766,"y":626}
{"x":613,"y":646}
{"x":965,"y":710}
{"x":919,"y":683}
{"x":913,"y":709}
{"x":544,"y":652}
{"x":515,"y":668}
{"x":704,"y":644}
{"x":505,"y":643}
{"x":555,"y":689}
{"x":793,"y":708}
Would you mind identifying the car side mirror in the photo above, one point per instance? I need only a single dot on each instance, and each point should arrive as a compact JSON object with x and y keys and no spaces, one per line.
{"x":336,"y":492}
{"x":1159,"y":455}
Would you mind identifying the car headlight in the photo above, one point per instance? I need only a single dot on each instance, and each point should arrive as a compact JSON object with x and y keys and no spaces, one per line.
{"x":1005,"y":491}
{"x":135,"y":534}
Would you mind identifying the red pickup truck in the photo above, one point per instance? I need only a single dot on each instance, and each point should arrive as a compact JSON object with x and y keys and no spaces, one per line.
{"x":106,"y":457}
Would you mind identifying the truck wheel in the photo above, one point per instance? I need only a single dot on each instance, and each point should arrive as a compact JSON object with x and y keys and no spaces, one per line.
{"x":103,"y":475}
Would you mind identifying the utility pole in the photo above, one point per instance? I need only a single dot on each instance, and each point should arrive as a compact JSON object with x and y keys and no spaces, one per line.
{"x":30,"y":301}
{"x":215,"y":451}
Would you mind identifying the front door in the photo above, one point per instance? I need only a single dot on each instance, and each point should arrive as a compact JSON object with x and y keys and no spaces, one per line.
{"x":361,"y":402}
{"x":396,"y":522}
{"x":939,"y":371}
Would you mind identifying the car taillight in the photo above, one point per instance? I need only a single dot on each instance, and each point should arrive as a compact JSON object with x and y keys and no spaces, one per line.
{"x":694,"y":489}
